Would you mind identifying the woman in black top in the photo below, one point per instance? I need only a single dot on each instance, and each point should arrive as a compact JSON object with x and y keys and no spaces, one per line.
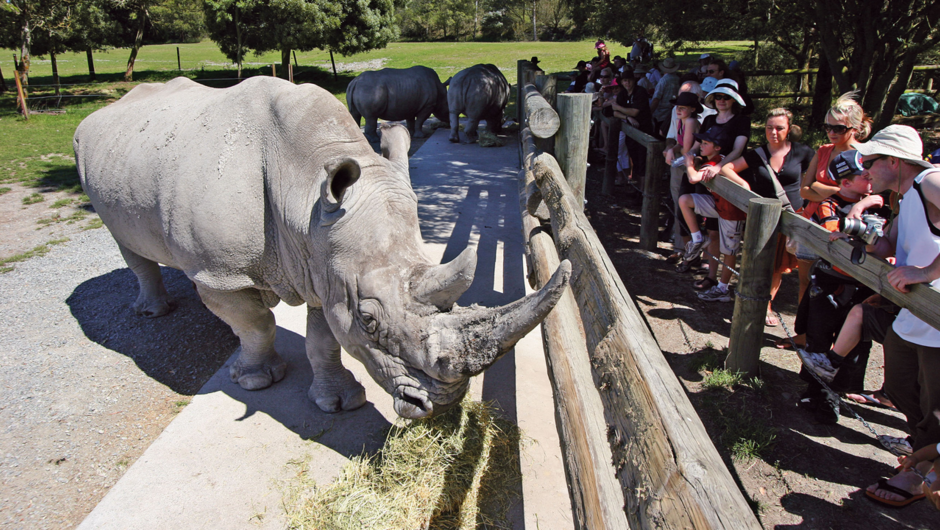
{"x":633,"y":106}
{"x":729,"y":125}
{"x":788,"y":160}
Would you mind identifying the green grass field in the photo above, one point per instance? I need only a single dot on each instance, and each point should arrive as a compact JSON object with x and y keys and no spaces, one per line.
{"x":38,"y":152}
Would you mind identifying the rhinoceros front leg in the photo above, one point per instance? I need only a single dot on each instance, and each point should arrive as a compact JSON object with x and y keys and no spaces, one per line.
{"x":454,"y":127}
{"x":334,"y":387}
{"x":153,"y":300}
{"x":258,"y":365}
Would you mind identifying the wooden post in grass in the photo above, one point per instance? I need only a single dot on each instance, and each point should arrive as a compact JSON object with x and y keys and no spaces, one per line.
{"x":20,"y":94}
{"x":179,"y":65}
{"x":295,"y":58}
{"x":290,"y":72}
{"x":753,"y":294}
{"x":572,"y":138}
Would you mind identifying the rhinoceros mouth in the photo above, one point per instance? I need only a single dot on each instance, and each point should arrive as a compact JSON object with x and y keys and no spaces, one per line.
{"x":412,"y":403}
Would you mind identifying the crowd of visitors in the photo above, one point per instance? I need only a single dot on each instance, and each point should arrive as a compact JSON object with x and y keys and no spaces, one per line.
{"x":705,"y":116}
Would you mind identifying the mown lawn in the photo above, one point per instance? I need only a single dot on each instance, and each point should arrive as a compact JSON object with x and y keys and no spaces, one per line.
{"x":38,"y":152}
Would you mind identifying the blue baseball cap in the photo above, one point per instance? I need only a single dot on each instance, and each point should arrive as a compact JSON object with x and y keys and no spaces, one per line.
{"x":845,"y":165}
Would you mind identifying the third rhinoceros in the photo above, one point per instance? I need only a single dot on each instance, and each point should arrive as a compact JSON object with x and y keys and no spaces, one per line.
{"x":412,"y":95}
{"x":267,"y":191}
{"x":479,"y":92}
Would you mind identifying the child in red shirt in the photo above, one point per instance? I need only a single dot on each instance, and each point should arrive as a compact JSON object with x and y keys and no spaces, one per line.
{"x":730,"y":219}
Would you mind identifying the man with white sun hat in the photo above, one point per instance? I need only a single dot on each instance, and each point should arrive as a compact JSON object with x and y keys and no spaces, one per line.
{"x":893,"y":160}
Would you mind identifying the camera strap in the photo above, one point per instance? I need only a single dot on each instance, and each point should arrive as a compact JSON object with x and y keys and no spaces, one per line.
{"x":778,"y":189}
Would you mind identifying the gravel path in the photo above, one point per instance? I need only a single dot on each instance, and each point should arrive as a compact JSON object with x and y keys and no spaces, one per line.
{"x":85,"y":385}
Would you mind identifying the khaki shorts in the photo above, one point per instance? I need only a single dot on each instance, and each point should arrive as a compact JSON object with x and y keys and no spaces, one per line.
{"x":729,"y":231}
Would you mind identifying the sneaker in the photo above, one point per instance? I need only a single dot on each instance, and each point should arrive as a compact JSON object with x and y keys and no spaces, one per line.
{"x":694,"y":250}
{"x":819,"y":364}
{"x":686,"y":266}
{"x":715,"y":294}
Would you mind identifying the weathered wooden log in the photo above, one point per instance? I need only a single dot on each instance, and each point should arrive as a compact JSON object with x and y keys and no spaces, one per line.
{"x":671,"y":474}
{"x":596,"y":497}
{"x":753,"y":291}
{"x":572,"y":139}
{"x":655,"y":171}
{"x":546,"y":86}
{"x":923,"y":300}
{"x":541,"y":118}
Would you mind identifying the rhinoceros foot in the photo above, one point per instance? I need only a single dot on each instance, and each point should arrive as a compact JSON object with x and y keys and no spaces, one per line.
{"x":337,"y":391}
{"x":153,"y":307}
{"x":258,"y":376}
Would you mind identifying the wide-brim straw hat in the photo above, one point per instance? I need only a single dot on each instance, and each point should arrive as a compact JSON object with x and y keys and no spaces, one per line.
{"x":899,"y":141}
{"x":724,"y":86}
{"x":668,"y":65}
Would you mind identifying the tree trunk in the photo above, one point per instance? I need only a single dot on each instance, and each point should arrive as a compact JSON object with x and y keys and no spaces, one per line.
{"x":889,"y":107}
{"x":26,"y":41}
{"x":3,"y":84}
{"x":285,"y":60}
{"x":238,"y":35}
{"x":138,"y":41}
{"x":822,"y":94}
{"x":55,"y":72}
{"x":91,"y":64}
{"x":535,"y":35}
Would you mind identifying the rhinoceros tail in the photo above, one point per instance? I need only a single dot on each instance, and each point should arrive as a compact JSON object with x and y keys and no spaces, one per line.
{"x":447,"y":83}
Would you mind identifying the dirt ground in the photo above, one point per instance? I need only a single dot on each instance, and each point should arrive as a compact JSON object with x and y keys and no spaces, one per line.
{"x":794,"y":471}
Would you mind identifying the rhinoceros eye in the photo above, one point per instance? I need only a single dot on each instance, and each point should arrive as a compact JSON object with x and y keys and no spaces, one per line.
{"x":369,"y":310}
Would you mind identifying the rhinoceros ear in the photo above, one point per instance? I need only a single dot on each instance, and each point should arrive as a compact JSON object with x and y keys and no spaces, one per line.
{"x":341,"y":174}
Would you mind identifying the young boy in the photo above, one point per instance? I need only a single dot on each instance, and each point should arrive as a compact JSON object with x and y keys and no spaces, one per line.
{"x":730,"y":219}
{"x":830,"y":297}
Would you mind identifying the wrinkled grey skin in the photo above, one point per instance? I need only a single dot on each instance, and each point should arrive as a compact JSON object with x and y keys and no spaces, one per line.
{"x":412,"y":95}
{"x":480,"y":93}
{"x":267,"y":191}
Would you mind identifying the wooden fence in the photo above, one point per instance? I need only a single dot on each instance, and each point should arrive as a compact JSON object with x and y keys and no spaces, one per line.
{"x":636,"y":453}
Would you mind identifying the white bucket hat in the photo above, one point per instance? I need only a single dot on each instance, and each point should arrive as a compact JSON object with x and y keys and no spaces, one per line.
{"x":724,"y":86}
{"x":899,"y":141}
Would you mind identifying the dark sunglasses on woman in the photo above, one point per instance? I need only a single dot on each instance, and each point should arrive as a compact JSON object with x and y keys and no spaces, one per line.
{"x":838,"y":129}
{"x":723,"y":97}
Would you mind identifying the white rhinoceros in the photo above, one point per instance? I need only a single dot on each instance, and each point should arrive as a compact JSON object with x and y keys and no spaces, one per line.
{"x":412,"y":95}
{"x":479,"y":92}
{"x":267,"y":191}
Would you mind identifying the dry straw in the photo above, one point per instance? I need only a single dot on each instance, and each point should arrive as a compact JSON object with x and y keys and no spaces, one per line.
{"x":459,"y":470}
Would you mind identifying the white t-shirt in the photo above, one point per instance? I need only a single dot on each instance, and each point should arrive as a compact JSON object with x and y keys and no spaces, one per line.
{"x":918,"y":244}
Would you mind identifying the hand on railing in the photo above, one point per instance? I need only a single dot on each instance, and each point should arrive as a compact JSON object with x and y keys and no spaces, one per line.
{"x":670,"y":156}
{"x":709,"y":172}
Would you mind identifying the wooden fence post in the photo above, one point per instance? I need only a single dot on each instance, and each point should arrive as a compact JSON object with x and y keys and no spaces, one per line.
{"x":655,"y":169}
{"x":20,"y":94}
{"x":753,"y":294}
{"x":546,"y":86}
{"x":572,"y":139}
{"x":520,"y":100}
{"x":179,"y":65}
{"x":273,"y":70}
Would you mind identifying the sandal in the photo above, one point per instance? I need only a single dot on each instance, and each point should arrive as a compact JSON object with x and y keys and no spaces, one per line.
{"x":704,"y":284}
{"x":909,"y":497}
{"x":876,"y":399}
{"x":771,"y":320}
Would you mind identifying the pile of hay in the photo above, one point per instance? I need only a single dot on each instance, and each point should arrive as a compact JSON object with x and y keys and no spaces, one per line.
{"x":456,"y":471}
{"x":488,"y":139}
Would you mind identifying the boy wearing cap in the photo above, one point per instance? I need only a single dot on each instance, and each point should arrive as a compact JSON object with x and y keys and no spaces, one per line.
{"x":831,"y":296}
{"x":581,"y":80}
{"x":730,"y":218}
{"x":893,"y":160}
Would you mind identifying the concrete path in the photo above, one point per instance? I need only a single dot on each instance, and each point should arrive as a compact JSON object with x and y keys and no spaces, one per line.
{"x":223,"y":462}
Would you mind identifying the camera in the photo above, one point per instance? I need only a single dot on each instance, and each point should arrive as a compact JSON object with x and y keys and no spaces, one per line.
{"x":869,"y":228}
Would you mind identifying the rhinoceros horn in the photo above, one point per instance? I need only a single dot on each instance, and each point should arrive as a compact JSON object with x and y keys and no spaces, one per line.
{"x":468,"y":340}
{"x":442,"y":285}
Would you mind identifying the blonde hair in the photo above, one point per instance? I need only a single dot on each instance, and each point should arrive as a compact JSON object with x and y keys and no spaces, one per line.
{"x":847,"y":108}
{"x":796,"y":132}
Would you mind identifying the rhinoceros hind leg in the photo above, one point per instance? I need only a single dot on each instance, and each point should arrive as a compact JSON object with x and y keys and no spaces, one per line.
{"x":153,"y":300}
{"x":454,"y":128}
{"x":334,"y":387}
{"x":258,"y":365}
{"x":419,"y":123}
{"x":471,"y":130}
{"x":371,"y":124}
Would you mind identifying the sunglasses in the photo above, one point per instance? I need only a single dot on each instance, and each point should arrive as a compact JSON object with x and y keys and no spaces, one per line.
{"x":838,"y":129}
{"x":870,"y":162}
{"x":723,"y":97}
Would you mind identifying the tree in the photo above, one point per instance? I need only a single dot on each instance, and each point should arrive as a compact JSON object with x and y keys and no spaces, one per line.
{"x":23,"y":20}
{"x":358,"y":26}
{"x":177,"y":21}
{"x":93,"y":28}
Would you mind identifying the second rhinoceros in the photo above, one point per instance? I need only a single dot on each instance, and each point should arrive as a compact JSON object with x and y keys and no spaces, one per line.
{"x":411,"y":94}
{"x":267,"y":191}
{"x":479,"y":92}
